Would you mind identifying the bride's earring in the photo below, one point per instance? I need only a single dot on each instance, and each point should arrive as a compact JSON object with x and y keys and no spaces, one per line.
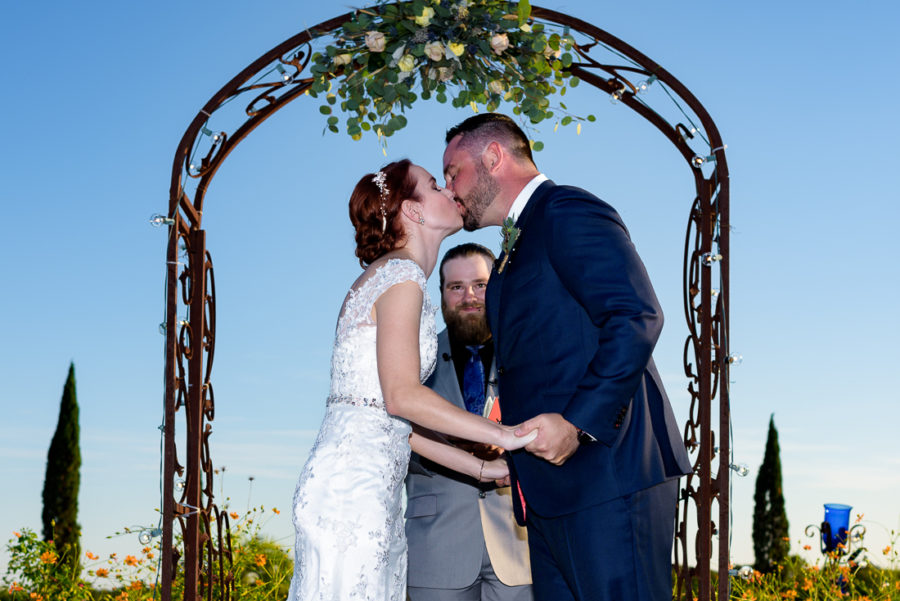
{"x":421,"y":220}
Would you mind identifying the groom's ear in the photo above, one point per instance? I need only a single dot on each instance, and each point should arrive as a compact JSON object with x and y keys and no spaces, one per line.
{"x":492,"y":156}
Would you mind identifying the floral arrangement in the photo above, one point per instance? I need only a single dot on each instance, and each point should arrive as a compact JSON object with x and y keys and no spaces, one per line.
{"x":471,"y":52}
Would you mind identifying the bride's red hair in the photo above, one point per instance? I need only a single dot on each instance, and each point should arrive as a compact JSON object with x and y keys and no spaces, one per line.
{"x":366,"y":210}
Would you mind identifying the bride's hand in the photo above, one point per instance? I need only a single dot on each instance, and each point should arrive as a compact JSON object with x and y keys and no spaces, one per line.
{"x":511,"y":442}
{"x":496,"y":469}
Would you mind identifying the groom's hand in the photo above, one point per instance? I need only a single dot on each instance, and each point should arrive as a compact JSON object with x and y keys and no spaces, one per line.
{"x":557,"y":438}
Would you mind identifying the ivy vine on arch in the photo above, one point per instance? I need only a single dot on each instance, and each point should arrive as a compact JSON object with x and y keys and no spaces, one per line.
{"x":371,"y":66}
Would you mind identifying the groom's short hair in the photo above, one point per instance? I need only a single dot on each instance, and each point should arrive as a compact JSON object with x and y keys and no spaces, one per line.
{"x":469,"y":249}
{"x":480,"y":130}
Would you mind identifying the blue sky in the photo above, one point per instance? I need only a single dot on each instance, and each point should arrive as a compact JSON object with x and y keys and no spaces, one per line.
{"x":99,"y":94}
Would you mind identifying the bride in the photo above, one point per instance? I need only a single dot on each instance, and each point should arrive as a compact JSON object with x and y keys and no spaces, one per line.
{"x":347,"y":506}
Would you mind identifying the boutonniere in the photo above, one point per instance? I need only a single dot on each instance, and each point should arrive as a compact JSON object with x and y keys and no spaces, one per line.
{"x":510,"y":235}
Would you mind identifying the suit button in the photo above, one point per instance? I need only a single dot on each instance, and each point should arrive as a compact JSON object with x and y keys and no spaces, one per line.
{"x":481,"y":494}
{"x":500,"y":370}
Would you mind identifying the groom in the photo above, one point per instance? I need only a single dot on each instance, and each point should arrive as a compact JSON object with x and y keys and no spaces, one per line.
{"x":574,"y":320}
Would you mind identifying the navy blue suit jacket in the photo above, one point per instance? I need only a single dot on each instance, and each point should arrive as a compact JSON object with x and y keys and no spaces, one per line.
{"x":575,"y":320}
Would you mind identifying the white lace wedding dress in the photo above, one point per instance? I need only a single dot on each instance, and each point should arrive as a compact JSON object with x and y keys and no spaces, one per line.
{"x":347,"y":506}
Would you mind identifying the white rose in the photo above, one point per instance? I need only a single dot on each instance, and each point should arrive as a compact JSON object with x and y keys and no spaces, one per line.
{"x":434,"y":51}
{"x":342,"y":59}
{"x":499,"y":43}
{"x":496,"y":86}
{"x":551,"y":53}
{"x":375,"y":41}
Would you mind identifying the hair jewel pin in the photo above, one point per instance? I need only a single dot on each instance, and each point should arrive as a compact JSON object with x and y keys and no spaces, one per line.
{"x":383,"y":191}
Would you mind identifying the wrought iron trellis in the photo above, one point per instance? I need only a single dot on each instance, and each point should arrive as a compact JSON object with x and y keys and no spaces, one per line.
{"x":277,"y":78}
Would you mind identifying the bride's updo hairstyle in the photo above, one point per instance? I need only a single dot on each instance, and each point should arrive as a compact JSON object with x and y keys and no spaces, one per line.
{"x":375,"y":209}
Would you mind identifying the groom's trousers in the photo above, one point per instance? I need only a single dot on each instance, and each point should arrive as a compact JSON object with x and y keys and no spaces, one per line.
{"x":620,"y":550}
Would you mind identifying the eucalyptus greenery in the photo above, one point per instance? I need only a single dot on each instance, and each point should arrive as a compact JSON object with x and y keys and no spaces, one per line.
{"x":468,"y":52}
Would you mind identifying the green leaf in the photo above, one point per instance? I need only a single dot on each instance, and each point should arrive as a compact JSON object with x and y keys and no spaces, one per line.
{"x":325,"y":109}
{"x":524,"y":11}
{"x":591,"y":118}
{"x":537,"y":146}
{"x":332,"y":120}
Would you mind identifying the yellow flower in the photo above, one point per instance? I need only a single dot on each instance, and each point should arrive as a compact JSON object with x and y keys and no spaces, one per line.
{"x":102,"y":572}
{"x":499,"y":43}
{"x":375,"y":41}
{"x":434,"y":50}
{"x":48,"y":557}
{"x":406,"y":63}
{"x":425,"y":18}
{"x":260,"y":560}
{"x":131,"y":560}
{"x":456,"y":48}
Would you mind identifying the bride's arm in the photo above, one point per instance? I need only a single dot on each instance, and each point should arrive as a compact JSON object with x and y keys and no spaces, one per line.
{"x":397,"y":315}
{"x":456,"y":459}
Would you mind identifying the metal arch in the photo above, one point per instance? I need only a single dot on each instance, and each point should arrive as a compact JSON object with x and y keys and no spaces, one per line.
{"x":277,"y":78}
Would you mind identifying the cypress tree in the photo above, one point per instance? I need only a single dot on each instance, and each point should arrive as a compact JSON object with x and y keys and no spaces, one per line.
{"x":62,"y":479}
{"x":770,"y":523}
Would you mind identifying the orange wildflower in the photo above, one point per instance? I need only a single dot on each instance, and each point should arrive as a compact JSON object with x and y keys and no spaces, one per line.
{"x":807,"y":584}
{"x":275,"y":509}
{"x":149,"y":555}
{"x":131,"y":560}
{"x":234,"y":515}
{"x":15,"y":588}
{"x":123,"y":596}
{"x":786,"y":538}
{"x":90,"y":555}
{"x":112,"y":555}
{"x":886,"y":550}
{"x":102,"y":572}
{"x":48,"y":557}
{"x":36,"y":597}
{"x":257,"y":582}
{"x":18,"y":534}
{"x":260,"y":560}
{"x":136,"y":585}
{"x":859,"y":517}
{"x":791,"y":594}
{"x":806,"y":547}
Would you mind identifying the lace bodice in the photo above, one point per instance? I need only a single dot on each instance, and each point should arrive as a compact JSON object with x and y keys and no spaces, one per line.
{"x":353,"y":362}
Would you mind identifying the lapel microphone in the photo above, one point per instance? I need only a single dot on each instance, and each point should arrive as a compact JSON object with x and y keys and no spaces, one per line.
{"x":446,"y":357}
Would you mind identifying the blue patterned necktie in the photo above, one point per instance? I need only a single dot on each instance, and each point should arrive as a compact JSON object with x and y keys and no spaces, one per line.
{"x":473,"y":381}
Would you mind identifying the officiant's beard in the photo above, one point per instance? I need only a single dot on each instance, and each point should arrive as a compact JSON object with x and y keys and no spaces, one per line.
{"x":466,"y":328}
{"x":480,"y":198}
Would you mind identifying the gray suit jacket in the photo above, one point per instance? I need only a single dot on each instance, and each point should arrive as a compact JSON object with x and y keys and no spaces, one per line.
{"x":447,"y":520}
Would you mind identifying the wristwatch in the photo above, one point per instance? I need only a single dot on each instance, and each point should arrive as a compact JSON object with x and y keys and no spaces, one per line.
{"x":584,"y":437}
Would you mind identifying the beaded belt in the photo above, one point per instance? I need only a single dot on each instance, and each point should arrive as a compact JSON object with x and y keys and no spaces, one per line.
{"x":343,"y":399}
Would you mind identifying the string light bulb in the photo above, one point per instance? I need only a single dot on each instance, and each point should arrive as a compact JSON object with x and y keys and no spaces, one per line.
{"x":148,"y":534}
{"x":741,"y":469}
{"x":734,"y":359}
{"x":709,"y":258}
{"x":645,"y":85}
{"x":159,"y":220}
{"x":285,"y":76}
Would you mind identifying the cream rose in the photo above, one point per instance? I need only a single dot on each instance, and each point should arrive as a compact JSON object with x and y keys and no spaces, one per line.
{"x":406,"y":63}
{"x":342,"y":59}
{"x":496,"y":86}
{"x":445,"y":73}
{"x":499,"y":43}
{"x":434,"y":51}
{"x":375,"y":41}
